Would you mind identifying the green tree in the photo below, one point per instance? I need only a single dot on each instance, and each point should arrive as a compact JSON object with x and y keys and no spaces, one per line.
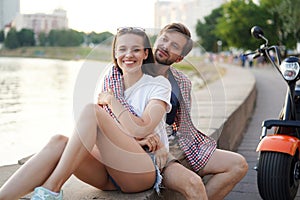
{"x":235,"y":24}
{"x":53,"y":37}
{"x":26,"y":37}
{"x":42,"y":39}
{"x":1,"y":36}
{"x":205,"y":30}
{"x":11,"y":41}
{"x":65,"y":38}
{"x":97,"y":38}
{"x":74,"y":38}
{"x":284,"y":17}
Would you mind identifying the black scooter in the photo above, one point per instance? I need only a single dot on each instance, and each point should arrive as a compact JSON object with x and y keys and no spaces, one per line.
{"x":278,"y":168}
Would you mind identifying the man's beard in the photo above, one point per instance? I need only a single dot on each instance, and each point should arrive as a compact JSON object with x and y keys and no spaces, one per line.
{"x":163,"y":62}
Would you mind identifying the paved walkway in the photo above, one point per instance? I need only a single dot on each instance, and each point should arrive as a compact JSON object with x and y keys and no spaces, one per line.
{"x":271,"y":90}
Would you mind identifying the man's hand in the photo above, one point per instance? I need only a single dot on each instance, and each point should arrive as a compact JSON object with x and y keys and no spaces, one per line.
{"x":161,"y":156}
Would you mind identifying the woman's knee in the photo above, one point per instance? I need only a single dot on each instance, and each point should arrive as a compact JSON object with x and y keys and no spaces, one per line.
{"x":57,"y":141}
{"x":86,"y":112}
{"x":92,"y":112}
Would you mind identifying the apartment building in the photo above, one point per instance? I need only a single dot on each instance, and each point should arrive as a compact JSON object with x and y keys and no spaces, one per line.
{"x":187,"y":12}
{"x":41,"y":22}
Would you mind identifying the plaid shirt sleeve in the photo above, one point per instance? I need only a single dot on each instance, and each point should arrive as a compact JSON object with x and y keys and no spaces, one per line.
{"x":114,"y":81}
{"x":197,"y":147}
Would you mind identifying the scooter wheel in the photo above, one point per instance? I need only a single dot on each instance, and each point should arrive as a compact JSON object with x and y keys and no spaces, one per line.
{"x":278,"y":176}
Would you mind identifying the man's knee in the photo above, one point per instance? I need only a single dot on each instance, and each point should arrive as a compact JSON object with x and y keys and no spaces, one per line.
{"x":241,"y":165}
{"x":195,"y":187}
{"x":196,"y":182}
{"x":238,"y":167}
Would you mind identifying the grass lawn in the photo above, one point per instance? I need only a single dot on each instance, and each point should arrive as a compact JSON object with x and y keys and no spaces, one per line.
{"x":64,"y":53}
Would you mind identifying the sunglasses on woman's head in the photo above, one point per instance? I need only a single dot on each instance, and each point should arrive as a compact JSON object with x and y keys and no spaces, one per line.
{"x":130,"y":29}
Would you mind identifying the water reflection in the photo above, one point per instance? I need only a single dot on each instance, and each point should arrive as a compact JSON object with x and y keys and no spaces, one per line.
{"x":35,"y":103}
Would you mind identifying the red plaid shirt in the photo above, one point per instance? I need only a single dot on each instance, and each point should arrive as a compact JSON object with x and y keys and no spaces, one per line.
{"x":196,"y":146}
{"x":114,"y":81}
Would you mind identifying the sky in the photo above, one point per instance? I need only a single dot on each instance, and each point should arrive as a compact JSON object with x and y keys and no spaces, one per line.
{"x":97,"y":15}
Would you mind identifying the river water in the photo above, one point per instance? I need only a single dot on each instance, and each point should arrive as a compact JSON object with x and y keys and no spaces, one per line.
{"x":36,"y":102}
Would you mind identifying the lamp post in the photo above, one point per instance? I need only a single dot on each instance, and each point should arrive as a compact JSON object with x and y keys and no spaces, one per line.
{"x":219,"y":43}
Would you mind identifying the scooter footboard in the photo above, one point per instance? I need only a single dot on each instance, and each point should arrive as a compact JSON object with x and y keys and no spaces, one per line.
{"x":279,"y":143}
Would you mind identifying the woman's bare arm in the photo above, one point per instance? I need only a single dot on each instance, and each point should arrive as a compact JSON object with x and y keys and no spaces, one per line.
{"x":142,"y":126}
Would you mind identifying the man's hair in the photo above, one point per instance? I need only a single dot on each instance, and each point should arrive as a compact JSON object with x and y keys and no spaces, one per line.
{"x":180,"y":28}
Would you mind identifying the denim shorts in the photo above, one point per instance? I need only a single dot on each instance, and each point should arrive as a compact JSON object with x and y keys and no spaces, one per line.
{"x":158,"y":180}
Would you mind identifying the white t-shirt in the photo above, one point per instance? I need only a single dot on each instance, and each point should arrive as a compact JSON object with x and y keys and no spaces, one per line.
{"x":146,"y":89}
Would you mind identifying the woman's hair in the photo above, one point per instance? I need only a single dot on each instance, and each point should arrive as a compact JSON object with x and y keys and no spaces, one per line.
{"x":180,"y":28}
{"x":136,"y":31}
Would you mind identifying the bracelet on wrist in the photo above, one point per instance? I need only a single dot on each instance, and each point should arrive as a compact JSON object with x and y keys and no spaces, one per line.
{"x":119,"y":115}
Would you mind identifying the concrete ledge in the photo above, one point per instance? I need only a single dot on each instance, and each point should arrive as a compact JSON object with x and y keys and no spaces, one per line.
{"x":222,"y":110}
{"x":233,"y":129}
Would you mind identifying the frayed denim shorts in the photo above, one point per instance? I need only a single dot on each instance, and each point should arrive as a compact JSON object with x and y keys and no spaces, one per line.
{"x":158,"y":180}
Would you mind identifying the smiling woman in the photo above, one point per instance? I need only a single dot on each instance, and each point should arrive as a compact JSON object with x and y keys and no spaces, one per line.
{"x":89,"y":15}
{"x":103,"y":150}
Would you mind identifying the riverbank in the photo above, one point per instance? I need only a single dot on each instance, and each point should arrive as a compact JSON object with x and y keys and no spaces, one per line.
{"x":208,"y":71}
{"x":62,"y":53}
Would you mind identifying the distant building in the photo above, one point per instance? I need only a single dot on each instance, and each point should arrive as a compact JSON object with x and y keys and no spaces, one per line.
{"x":9,"y":9}
{"x":41,"y":22}
{"x":184,"y":11}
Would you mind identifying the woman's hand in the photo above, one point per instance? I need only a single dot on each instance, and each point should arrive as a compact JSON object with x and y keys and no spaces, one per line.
{"x":151,"y":141}
{"x":157,"y":147}
{"x":105,"y":98}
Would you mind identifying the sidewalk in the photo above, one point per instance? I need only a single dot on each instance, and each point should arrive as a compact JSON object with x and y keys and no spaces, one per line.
{"x":222,"y":110}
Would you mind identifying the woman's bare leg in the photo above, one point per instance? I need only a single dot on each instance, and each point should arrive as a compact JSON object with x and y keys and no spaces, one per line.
{"x":130,"y":168}
{"x":86,"y":172}
{"x":117,"y":147}
{"x":35,"y":171}
{"x":41,"y":169}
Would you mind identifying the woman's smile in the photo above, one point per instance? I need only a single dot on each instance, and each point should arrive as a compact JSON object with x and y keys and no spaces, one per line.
{"x":129,"y":62}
